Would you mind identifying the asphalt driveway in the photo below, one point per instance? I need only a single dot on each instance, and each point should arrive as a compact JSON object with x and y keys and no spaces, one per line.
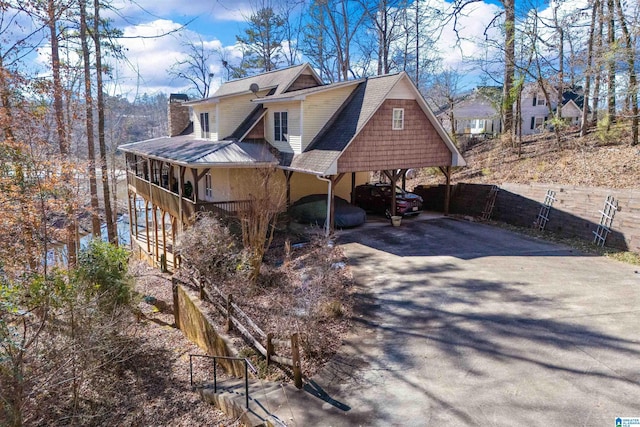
{"x":466,"y":324}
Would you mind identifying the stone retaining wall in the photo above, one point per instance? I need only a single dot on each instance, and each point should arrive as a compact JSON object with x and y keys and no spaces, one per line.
{"x":196,"y":325}
{"x":575,"y":213}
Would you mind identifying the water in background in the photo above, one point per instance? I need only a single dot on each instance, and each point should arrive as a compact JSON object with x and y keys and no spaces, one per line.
{"x":58,"y":254}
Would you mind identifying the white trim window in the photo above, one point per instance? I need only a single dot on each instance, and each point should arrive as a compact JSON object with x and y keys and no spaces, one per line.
{"x":539,"y":100}
{"x":280,"y":125}
{"x":398,"y":119}
{"x":208,"y":185}
{"x":204,"y":125}
{"x":537,"y":122}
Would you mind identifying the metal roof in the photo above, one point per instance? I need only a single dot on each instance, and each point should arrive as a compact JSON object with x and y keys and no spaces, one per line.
{"x":189,"y":151}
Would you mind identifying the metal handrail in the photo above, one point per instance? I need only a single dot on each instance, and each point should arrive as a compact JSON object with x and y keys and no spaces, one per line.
{"x":247,"y":366}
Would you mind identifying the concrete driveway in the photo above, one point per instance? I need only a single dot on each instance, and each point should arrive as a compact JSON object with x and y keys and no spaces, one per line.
{"x":466,"y":324}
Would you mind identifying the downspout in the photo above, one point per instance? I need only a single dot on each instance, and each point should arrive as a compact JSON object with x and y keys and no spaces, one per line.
{"x":327,"y":222}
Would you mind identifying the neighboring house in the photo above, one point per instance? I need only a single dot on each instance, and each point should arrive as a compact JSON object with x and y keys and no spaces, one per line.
{"x":475,"y":114}
{"x":478,"y":113}
{"x":536,"y":111}
{"x":315,"y":133}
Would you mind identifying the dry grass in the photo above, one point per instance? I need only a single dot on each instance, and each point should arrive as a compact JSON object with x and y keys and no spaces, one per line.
{"x":302,"y":288}
{"x":581,"y":161}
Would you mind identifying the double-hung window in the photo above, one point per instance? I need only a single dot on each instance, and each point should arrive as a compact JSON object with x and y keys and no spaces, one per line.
{"x":204,"y":125}
{"x":280,"y":125}
{"x":398,"y":119}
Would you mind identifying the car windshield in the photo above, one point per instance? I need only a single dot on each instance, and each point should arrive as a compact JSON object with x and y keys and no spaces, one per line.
{"x":387,"y":191}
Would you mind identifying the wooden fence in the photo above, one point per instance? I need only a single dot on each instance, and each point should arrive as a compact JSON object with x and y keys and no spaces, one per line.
{"x":265,"y":343}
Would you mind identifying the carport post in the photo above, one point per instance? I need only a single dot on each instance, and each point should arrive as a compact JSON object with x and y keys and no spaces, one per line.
{"x":393,"y":176}
{"x":447,"y":189}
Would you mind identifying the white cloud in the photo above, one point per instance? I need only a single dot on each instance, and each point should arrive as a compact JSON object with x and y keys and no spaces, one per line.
{"x":151,"y":49}
{"x":466,"y":41}
{"x":207,"y":10}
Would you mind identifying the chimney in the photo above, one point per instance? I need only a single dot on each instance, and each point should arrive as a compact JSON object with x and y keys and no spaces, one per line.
{"x":179,"y":118}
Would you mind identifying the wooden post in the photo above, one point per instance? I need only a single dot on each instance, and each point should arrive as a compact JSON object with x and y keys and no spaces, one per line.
{"x":156,"y":243}
{"x":295,"y":355}
{"x":270,"y":350}
{"x":146,"y":220}
{"x":176,"y":305}
{"x":353,"y":188}
{"x":229,"y":312}
{"x":164,"y":237}
{"x":447,"y":189}
{"x":393,"y":176}
{"x":287,"y":176}
{"x":130,"y":212}
{"x":135,"y":211}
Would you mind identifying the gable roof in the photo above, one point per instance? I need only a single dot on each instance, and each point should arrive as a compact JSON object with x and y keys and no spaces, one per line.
{"x":190,"y":151}
{"x":321,"y":155}
{"x":278,"y":81}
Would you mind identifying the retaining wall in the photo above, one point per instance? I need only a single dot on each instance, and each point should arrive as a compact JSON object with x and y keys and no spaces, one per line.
{"x":198,"y":327}
{"x":575,"y":213}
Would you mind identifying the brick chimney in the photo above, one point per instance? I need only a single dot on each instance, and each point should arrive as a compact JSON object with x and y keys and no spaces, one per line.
{"x":179,"y":118}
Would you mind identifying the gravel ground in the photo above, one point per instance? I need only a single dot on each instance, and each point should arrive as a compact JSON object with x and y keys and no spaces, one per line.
{"x":159,"y":392}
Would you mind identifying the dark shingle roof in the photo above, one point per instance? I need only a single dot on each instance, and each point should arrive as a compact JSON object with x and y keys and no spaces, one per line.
{"x":345,"y":124}
{"x":575,"y":96}
{"x":248,"y":123}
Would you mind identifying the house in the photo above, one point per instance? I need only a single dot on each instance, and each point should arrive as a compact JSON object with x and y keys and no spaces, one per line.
{"x":478,"y":113}
{"x":475,"y":114}
{"x":316,"y":134}
{"x":536,"y":111}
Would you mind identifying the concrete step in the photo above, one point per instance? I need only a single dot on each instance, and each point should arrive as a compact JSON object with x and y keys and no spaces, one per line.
{"x":266,"y":400}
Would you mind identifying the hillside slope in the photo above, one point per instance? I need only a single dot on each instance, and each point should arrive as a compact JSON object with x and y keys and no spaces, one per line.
{"x":580,"y":161}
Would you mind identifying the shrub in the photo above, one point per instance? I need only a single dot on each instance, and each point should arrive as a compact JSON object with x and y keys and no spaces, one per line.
{"x":209,"y":247}
{"x":103,"y":273}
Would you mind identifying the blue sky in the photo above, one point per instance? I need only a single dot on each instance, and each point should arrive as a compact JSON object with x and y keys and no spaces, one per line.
{"x":217,"y":23}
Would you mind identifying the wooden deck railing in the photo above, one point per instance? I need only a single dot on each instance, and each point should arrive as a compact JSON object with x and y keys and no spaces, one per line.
{"x":170,"y":201}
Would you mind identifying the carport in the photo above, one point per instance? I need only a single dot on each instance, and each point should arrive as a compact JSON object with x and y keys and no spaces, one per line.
{"x":385,"y":125}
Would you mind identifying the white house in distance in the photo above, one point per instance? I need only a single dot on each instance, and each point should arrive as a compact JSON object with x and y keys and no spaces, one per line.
{"x":536,"y":111}
{"x":475,"y":114}
{"x":324,"y":138}
{"x":478,"y":113}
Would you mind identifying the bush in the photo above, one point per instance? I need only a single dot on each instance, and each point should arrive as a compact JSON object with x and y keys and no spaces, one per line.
{"x":103,"y":273}
{"x":209,"y":247}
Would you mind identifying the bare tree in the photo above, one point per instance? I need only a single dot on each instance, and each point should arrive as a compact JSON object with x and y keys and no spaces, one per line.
{"x":196,"y":66}
{"x":110,"y":214}
{"x":88,"y":99}
{"x":589,"y":69}
{"x":629,"y":54}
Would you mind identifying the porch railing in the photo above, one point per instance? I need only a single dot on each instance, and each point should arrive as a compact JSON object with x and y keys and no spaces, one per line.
{"x":171,"y":202}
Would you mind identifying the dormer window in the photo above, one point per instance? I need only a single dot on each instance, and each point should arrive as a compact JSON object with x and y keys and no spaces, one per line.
{"x":204,"y":125}
{"x":398,"y":119}
{"x":280,"y":126}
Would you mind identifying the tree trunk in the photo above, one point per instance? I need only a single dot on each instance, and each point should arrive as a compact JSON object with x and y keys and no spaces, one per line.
{"x":611,"y":92}
{"x":88,"y":99}
{"x":598,"y":74}
{"x":589,"y":71}
{"x":61,"y":129}
{"x":108,"y":212}
{"x":509,"y":65}
{"x":633,"y":83}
